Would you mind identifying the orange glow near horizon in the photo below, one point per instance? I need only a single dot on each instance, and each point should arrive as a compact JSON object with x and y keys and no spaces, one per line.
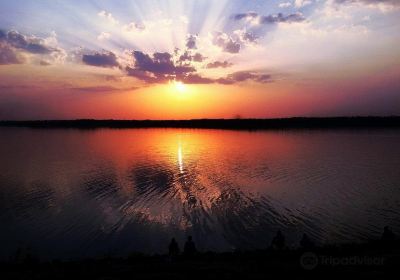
{"x":176,"y":100}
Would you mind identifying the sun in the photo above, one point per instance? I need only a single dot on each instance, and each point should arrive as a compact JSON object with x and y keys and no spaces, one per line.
{"x":179,"y":86}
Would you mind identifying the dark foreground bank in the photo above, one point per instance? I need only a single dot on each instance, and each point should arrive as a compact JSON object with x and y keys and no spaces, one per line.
{"x":371,"y":261}
{"x":247,"y":124}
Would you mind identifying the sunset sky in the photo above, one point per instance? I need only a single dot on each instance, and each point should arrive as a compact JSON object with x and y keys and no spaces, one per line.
{"x":183,"y":59}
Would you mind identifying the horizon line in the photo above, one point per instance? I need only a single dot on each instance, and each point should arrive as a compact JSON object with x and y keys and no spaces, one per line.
{"x":232,"y":124}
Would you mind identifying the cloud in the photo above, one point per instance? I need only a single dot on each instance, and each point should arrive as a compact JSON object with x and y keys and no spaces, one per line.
{"x":234,"y":78}
{"x":285,"y":5}
{"x":162,"y":67}
{"x":44,"y":63}
{"x":382,"y":5}
{"x":246,"y":16}
{"x":243,"y":76}
{"x":188,"y":57}
{"x":392,"y":2}
{"x":31,"y":45}
{"x":191,"y":42}
{"x":108,"y":16}
{"x":246,"y":36}
{"x":106,"y":59}
{"x":134,"y":26}
{"x":270,"y":19}
{"x":157,"y":68}
{"x":277,"y":18}
{"x":219,"y":64}
{"x":103,"y":36}
{"x":302,"y":3}
{"x":196,"y":79}
{"x":8,"y":55}
{"x":99,"y":89}
{"x":13,"y":43}
{"x":227,"y":43}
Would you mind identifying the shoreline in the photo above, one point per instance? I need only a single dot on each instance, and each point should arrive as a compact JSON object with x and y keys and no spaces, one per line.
{"x":232,"y":124}
{"x":373,"y":260}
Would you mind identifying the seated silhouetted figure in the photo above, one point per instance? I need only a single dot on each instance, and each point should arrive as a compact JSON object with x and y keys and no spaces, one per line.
{"x":306,"y":243}
{"x":190,"y":247}
{"x":174,"y":248}
{"x":388,"y":236}
{"x":278,"y":242}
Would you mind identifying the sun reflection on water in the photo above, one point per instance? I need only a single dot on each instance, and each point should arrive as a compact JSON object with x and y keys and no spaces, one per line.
{"x":180,"y":158}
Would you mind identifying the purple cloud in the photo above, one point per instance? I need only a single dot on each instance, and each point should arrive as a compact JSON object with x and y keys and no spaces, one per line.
{"x":21,"y":42}
{"x":191,"y":42}
{"x":227,"y":43}
{"x":274,"y":18}
{"x":161,"y":68}
{"x":188,"y":57}
{"x":107,"y":59}
{"x":219,"y":64}
{"x":158,"y":68}
{"x":248,"y":15}
{"x":8,"y":55}
{"x":243,"y":76}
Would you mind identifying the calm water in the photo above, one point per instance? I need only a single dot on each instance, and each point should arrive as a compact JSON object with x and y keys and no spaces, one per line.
{"x":77,"y":193}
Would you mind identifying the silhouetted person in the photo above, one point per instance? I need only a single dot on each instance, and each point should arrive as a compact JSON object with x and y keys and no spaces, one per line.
{"x":190,"y":247}
{"x":174,"y":248}
{"x":388,"y":236}
{"x":278,"y":242}
{"x":306,"y":243}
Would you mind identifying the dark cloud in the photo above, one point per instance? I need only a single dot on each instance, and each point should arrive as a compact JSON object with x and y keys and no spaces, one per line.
{"x":3,"y":34}
{"x":247,"y":15}
{"x":21,"y":42}
{"x":227,"y":43}
{"x":276,"y":18}
{"x":106,"y":59}
{"x":160,"y":64}
{"x":158,"y":68}
{"x":219,"y":64}
{"x":188,"y":57}
{"x":191,"y":42}
{"x":243,"y":76}
{"x":161,"y":68}
{"x":231,"y":79}
{"x":273,"y":18}
{"x":197,"y":79}
{"x":144,"y":76}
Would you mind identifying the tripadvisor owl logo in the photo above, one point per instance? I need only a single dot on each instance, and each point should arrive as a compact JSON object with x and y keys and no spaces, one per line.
{"x":309,"y":261}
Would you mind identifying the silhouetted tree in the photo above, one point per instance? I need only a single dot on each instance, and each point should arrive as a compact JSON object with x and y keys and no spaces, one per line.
{"x":278,"y":242}
{"x":388,"y":236}
{"x":174,"y":248}
{"x":190,"y":247}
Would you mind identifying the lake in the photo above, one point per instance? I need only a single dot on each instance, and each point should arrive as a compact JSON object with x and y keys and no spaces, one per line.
{"x":70,"y":193}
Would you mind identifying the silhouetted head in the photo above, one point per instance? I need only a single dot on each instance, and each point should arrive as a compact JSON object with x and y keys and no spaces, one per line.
{"x":173,"y":240}
{"x":190,"y":238}
{"x":386,"y":228}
